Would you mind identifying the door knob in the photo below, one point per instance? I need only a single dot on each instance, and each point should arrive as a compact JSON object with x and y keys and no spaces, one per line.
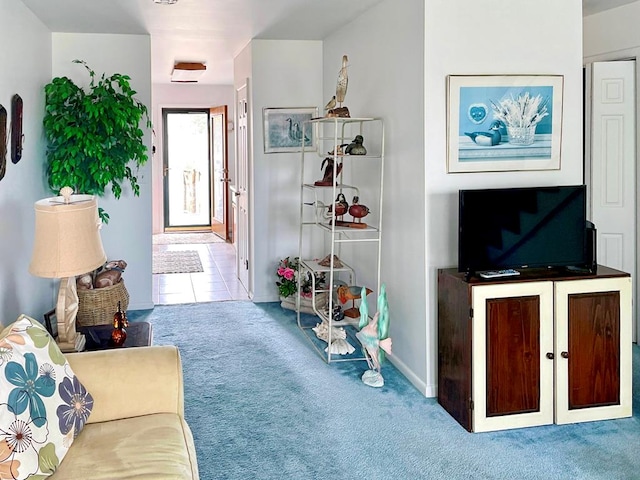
{"x":564,"y":354}
{"x":550,"y":355}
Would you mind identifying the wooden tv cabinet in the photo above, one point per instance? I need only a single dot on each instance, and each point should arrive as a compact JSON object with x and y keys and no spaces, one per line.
{"x":540,"y":348}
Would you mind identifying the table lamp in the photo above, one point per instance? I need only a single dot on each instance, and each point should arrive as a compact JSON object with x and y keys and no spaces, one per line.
{"x":67,"y":243}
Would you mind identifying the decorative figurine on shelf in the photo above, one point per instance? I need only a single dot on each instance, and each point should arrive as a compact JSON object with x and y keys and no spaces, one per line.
{"x":327,"y":179}
{"x":119,"y":334}
{"x":374,"y":337}
{"x":340,"y":207}
{"x":341,"y":91}
{"x":358,"y":211}
{"x":353,"y":293}
{"x":356,"y":147}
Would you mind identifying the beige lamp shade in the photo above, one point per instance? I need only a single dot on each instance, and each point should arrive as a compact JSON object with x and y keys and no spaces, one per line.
{"x":67,"y":237}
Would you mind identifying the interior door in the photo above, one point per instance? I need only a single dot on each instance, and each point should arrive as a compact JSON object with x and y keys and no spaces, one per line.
{"x":610,"y":169}
{"x":242,"y":187}
{"x":220,"y":171}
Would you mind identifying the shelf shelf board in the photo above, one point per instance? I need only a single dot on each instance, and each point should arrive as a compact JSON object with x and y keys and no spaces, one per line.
{"x":314,"y":267}
{"x":368,"y":229}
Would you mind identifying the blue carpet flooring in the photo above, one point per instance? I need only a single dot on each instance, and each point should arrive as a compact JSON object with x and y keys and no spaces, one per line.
{"x":263,"y":405}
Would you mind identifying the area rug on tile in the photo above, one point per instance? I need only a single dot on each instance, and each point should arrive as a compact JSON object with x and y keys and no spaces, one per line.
{"x":179,"y":261}
{"x":183,"y":238}
{"x":262,"y":404}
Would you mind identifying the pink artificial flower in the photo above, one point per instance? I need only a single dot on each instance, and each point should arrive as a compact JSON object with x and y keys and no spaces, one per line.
{"x":281,"y":271}
{"x":289,"y":273}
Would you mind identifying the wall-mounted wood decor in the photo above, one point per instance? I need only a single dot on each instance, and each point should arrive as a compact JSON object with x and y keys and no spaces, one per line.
{"x":3,"y":141}
{"x":16,"y":128}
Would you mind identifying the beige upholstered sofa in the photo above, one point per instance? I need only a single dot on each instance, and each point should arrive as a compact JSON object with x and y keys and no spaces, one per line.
{"x":137,"y":427}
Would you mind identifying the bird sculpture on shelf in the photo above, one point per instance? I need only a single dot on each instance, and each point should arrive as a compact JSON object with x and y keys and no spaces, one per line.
{"x":356,"y":147}
{"x":343,"y":81}
{"x":374,"y":337}
{"x":331,"y":104}
{"x":358,"y":211}
{"x":340,"y":207}
{"x":353,"y":293}
{"x":487,"y":139}
{"x":327,"y":179}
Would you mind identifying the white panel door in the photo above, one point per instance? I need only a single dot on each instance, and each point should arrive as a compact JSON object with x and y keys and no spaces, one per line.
{"x":612,"y":170}
{"x":242,"y":187}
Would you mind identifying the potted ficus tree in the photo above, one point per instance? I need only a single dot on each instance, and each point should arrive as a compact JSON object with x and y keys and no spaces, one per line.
{"x":94,"y":135}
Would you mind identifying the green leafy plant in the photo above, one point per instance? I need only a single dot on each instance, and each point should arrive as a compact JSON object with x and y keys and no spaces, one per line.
{"x":94,"y":136}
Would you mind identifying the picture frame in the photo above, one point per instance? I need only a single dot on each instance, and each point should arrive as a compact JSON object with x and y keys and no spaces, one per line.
{"x":498,"y":123}
{"x":283,"y":129}
{"x":51,"y":322}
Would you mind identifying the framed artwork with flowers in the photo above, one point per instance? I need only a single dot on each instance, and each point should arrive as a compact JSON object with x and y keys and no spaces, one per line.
{"x":504,"y":122}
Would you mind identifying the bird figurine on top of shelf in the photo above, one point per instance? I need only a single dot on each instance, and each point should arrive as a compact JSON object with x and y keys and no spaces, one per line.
{"x":374,"y":337}
{"x":331,"y":104}
{"x":358,"y":211}
{"x":487,"y":139}
{"x":356,"y":147}
{"x":341,"y":91}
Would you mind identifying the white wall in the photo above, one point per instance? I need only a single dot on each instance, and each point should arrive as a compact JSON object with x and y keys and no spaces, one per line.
{"x":26,"y":69}
{"x":282,"y":74}
{"x":386,"y":79}
{"x":128,"y":234}
{"x":613,"y":31}
{"x":184,"y":96}
{"x":392,"y":77}
{"x":554,"y":46}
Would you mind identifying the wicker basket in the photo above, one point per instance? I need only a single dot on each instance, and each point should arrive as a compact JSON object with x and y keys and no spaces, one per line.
{"x":97,"y":306}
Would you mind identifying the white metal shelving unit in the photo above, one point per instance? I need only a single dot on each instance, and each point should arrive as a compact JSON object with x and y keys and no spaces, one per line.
{"x":321,"y":233}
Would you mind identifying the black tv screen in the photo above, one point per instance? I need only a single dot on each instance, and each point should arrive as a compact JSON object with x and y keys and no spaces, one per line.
{"x":531,"y":227}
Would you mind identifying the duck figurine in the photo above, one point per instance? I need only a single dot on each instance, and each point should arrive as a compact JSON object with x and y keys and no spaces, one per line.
{"x":487,"y":139}
{"x":356,"y":147}
{"x":340,"y":206}
{"x":358,"y":211}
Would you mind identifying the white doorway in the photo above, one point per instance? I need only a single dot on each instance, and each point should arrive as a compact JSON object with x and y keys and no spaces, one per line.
{"x":610,"y":164}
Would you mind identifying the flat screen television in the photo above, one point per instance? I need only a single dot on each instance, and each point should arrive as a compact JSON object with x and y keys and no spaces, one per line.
{"x":531,"y":227}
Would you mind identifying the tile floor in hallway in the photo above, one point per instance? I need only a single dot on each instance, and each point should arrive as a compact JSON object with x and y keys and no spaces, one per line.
{"x":218,"y":282}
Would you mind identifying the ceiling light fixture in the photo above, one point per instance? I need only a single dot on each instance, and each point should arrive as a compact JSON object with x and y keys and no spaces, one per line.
{"x":165,"y":2}
{"x":187,"y":72}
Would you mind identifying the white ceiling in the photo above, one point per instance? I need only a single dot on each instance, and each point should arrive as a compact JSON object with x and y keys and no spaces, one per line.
{"x":209,"y":31}
{"x":212,"y":31}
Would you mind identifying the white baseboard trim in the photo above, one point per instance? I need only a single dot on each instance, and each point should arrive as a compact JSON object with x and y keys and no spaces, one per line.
{"x":428,"y":390}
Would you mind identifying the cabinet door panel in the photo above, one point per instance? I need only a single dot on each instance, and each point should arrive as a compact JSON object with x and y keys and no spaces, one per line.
{"x":593,"y":328}
{"x":513,"y":355}
{"x":594,"y":349}
{"x":512,"y":382}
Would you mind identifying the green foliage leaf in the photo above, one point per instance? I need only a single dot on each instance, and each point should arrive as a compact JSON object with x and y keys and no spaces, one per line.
{"x":94,"y":134}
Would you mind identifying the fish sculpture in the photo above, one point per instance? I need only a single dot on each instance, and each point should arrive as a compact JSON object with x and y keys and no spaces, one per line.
{"x":373,"y":336}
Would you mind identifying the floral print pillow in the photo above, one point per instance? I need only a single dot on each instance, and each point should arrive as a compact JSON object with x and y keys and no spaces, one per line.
{"x":43,"y":405}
